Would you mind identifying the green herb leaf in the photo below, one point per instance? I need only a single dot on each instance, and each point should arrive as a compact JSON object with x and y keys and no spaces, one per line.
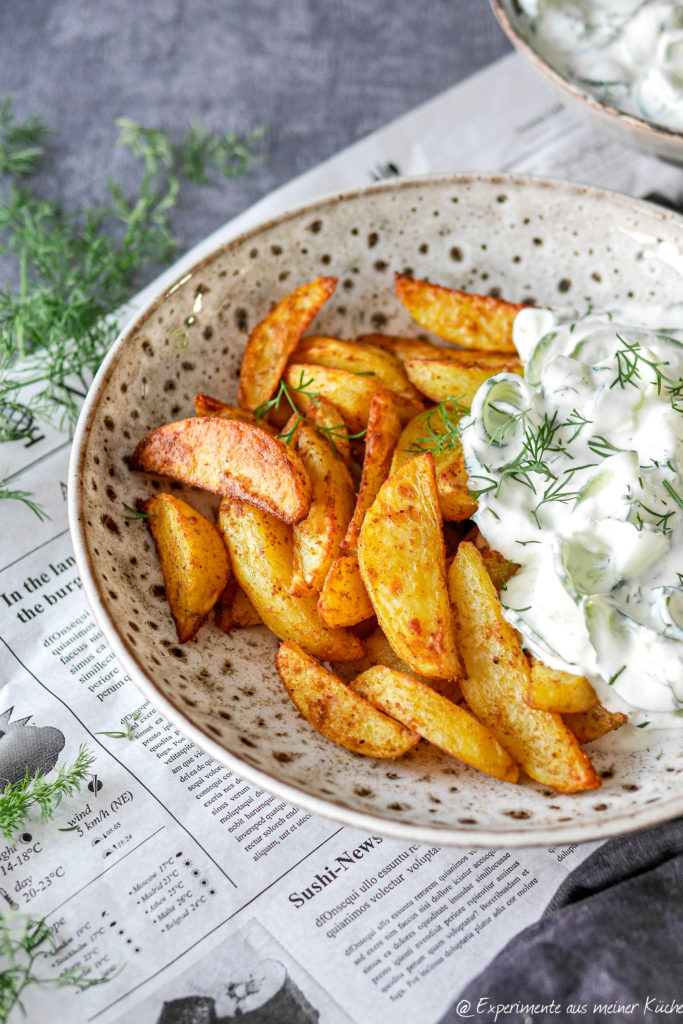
{"x":18,"y":799}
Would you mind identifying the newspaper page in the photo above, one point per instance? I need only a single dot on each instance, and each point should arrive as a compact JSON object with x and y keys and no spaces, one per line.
{"x":204,"y":897}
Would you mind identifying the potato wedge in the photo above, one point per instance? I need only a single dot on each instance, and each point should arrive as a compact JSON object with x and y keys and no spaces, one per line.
{"x":499,"y":568}
{"x":384,"y":428}
{"x":473,"y":321}
{"x":406,"y":348}
{"x":204,"y":405}
{"x":452,"y":483}
{"x":596,"y":722}
{"x":325,"y":414}
{"x":235,"y":611}
{"x":447,"y":726}
{"x":498,"y":679}
{"x":403,"y":566}
{"x":368,"y":360}
{"x":563,"y":692}
{"x":222,"y":615}
{"x":336,"y":711}
{"x":318,"y":537}
{"x":343,"y":599}
{"x":441,"y":379}
{"x":260,"y":547}
{"x":274,"y":339}
{"x":231,"y":458}
{"x":378,"y":651}
{"x":194,"y":561}
{"x":349,"y":392}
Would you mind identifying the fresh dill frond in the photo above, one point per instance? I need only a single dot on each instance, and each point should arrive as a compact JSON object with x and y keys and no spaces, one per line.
{"x":128,"y":731}
{"x":75,"y":268}
{"x":15,"y":495}
{"x":26,"y":943}
{"x":45,"y":792}
{"x":285,"y":392}
{"x":442,"y":427}
{"x":229,"y":153}
{"x":673,"y":492}
{"x":136,"y":513}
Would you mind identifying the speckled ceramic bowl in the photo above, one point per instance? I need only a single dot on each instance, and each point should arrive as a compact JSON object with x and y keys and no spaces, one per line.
{"x":527,"y":240}
{"x":636,"y":132}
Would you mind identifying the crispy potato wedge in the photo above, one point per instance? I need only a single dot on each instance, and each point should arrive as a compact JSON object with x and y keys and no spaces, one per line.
{"x":406,"y":348}
{"x":473,"y":321}
{"x":384,"y":428}
{"x":194,"y":561}
{"x":204,"y":405}
{"x":231,"y":458}
{"x":344,"y":600}
{"x":426,"y":712}
{"x":403,"y":566}
{"x":234,"y":610}
{"x":368,"y":360}
{"x":452,"y":483}
{"x":274,"y":339}
{"x":378,"y":651}
{"x":318,"y":537}
{"x":332,"y":708}
{"x":325,"y":414}
{"x":260,"y":547}
{"x":596,"y":722}
{"x":441,"y":379}
{"x":563,"y":692}
{"x":498,"y":679}
{"x":499,"y":568}
{"x":351,"y":393}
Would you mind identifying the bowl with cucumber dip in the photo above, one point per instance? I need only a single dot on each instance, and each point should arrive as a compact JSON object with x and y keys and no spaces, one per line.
{"x":616,"y":63}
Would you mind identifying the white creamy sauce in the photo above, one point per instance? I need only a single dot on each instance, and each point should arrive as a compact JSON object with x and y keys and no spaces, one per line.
{"x":628,"y":53}
{"x":579,"y":469}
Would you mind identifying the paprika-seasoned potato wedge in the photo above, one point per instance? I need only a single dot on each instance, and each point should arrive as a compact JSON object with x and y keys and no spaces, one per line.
{"x":378,"y":651}
{"x":384,"y":428}
{"x":332,"y":708}
{"x":441,"y":379}
{"x":204,"y":405}
{"x":231,"y":458}
{"x":435,"y":430}
{"x":350,"y":392}
{"x":194,"y":561}
{"x":473,"y":321}
{"x":326,"y":415}
{"x":553,"y":690}
{"x":274,"y":339}
{"x":260,"y":547}
{"x":596,"y":722}
{"x":403,"y":566}
{"x":498,"y":679}
{"x":406,"y":348}
{"x":318,"y":537}
{"x":343,"y":599}
{"x":426,"y":712}
{"x":234,"y":610}
{"x":499,"y":568}
{"x":368,"y":360}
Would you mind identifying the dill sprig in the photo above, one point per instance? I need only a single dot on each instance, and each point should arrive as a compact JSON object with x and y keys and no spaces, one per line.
{"x":75,"y":268}
{"x":128,"y":731}
{"x":446,"y":435}
{"x":631,"y":360}
{"x":19,"y":798}
{"x":136,"y":513}
{"x":286,"y":392}
{"x":16,"y":495}
{"x":25,"y":943}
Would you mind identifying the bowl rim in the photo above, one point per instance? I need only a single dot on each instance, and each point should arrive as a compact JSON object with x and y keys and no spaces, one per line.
{"x":612,"y":113}
{"x":514,"y":837}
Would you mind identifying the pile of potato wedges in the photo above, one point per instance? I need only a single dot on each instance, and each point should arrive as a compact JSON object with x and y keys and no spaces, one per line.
{"x":343,"y":527}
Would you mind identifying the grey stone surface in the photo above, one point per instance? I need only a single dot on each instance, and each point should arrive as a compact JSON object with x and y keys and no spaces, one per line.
{"x":318,"y":74}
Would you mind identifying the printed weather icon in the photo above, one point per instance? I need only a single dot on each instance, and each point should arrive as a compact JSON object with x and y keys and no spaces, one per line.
{"x":26,"y":748}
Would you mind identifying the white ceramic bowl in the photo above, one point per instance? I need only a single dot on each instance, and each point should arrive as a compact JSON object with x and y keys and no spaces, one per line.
{"x":636,"y":132}
{"x":528,"y":240}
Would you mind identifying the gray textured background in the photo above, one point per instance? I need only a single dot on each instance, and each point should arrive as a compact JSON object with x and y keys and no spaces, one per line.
{"x":319,"y":75}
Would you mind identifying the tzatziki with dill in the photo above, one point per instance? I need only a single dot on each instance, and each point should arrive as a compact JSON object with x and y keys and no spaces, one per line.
{"x":628,"y":53}
{"x":578,"y":471}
